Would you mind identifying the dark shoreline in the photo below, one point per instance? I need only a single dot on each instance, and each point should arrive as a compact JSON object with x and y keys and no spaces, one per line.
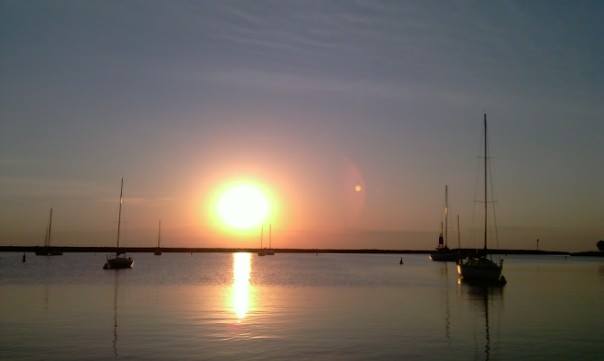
{"x":464,"y":251}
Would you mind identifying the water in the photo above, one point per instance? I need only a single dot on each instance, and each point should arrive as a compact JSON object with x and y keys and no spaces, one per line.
{"x":296,"y":307}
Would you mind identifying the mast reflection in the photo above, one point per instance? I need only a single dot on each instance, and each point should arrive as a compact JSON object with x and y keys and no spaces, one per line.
{"x":115,"y":295}
{"x":445,"y":274}
{"x":241,"y":288}
{"x":481,"y":296}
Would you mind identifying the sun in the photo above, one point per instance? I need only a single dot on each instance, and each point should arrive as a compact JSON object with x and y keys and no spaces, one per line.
{"x":243,"y":206}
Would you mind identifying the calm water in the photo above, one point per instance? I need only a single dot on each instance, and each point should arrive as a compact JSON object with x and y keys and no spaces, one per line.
{"x":296,"y":307}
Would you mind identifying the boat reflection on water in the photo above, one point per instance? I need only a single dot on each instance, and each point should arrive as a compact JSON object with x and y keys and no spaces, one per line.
{"x":444,"y":271}
{"x":116,"y":285}
{"x":482,"y":296}
{"x":241,"y":291}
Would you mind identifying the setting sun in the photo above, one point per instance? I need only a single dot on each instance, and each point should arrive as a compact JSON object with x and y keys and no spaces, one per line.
{"x":243,"y":206}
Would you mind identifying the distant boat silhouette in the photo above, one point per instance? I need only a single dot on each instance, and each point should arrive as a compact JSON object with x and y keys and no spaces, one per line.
{"x":119,"y":262}
{"x":479,"y":268}
{"x":443,"y":253}
{"x":266,"y":251}
{"x":47,"y":250}
{"x":158,"y":249}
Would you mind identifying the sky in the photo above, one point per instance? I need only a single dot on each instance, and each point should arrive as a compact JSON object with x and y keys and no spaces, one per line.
{"x":306,"y":99}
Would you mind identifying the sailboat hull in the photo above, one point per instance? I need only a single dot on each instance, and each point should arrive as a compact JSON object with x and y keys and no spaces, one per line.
{"x":118,"y":263}
{"x":444,"y":256}
{"x":48,"y":252}
{"x":479,"y":270}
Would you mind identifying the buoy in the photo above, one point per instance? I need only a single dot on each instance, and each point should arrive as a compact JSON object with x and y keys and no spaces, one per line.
{"x":23,"y":258}
{"x":401,"y":262}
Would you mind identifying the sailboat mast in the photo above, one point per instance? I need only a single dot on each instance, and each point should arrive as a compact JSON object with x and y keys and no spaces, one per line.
{"x":458,"y":234}
{"x":159,"y":233}
{"x":119,"y":216}
{"x":261,"y":234}
{"x":485,"y":182}
{"x":49,"y":228}
{"x":48,"y":231}
{"x":446,"y":214}
{"x":270,"y":236}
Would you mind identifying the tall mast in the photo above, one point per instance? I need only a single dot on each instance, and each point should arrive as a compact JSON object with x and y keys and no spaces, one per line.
{"x":270,"y":235}
{"x":46,"y":238}
{"x":261,"y":235}
{"x":48,"y":231}
{"x":446,"y":214}
{"x":159,"y":233}
{"x":485,"y":182}
{"x":458,"y":234}
{"x":50,"y":228}
{"x":119,"y":216}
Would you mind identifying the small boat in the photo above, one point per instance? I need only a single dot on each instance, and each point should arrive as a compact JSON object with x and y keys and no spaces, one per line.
{"x":479,"y":268}
{"x":443,"y":253}
{"x":266,"y":251}
{"x":158,"y":250}
{"x":47,"y":250}
{"x":119,"y":261}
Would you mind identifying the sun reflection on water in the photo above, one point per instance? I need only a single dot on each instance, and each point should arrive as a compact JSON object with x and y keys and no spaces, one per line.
{"x":241,"y":289}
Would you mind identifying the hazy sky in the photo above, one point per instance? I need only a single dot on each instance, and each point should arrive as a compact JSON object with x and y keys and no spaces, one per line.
{"x":307,"y":98}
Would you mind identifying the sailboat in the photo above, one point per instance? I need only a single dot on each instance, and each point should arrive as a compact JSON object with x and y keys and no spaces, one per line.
{"x":119,"y":262}
{"x":47,"y":250}
{"x":158,"y":250}
{"x":479,"y":268}
{"x":443,"y":253}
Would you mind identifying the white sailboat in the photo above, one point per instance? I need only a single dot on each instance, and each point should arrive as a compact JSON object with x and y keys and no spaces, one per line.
{"x":47,"y":249}
{"x":158,"y":249}
{"x":479,"y":268}
{"x":119,"y":261}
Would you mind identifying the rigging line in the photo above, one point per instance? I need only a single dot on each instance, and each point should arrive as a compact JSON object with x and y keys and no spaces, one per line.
{"x":46,"y":237}
{"x":477,"y":178}
{"x":495,"y":228}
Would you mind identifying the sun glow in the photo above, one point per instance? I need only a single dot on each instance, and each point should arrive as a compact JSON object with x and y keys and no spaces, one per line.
{"x":243,"y":206}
